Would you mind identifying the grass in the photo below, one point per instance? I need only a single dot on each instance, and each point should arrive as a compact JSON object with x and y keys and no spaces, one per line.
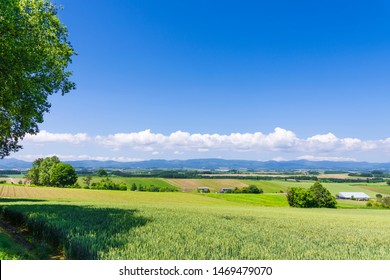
{"x":275,"y":200}
{"x":130,"y":181}
{"x":276,"y":186}
{"x":92,"y":224}
{"x":10,"y":249}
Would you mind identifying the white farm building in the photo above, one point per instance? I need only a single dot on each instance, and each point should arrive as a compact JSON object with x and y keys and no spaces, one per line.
{"x":353,"y":195}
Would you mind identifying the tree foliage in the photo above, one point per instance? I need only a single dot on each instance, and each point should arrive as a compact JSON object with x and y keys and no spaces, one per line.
{"x":51,"y":172}
{"x":34,"y":56}
{"x":102,"y":172}
{"x":87,"y":180}
{"x":63,"y":174}
{"x":316,"y":196}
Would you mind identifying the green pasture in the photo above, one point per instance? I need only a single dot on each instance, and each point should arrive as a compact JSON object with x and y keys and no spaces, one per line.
{"x":130,"y":181}
{"x":278,"y":186}
{"x":94,"y":224}
{"x":276,"y":200}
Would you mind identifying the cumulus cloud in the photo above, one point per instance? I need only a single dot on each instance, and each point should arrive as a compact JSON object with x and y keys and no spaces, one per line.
{"x":46,"y":137}
{"x":279,"y":143}
{"x":280,"y":139}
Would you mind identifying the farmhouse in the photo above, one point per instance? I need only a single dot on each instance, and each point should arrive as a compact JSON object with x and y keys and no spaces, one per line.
{"x":203,"y":190}
{"x":353,"y":195}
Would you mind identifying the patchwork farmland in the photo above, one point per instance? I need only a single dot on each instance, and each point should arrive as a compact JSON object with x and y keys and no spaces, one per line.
{"x":102,"y":224}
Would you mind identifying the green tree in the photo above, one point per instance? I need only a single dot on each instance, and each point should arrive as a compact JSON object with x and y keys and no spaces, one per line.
{"x":51,"y":171}
{"x":63,"y":174}
{"x":45,"y":170}
{"x":315,"y":197}
{"x":102,"y":173}
{"x":254,"y":189}
{"x":133,"y":187}
{"x":34,"y":56}
{"x":33,"y":173}
{"x":87,"y":180}
{"x":321,"y":197}
{"x":386,"y":202}
{"x":298,"y":197}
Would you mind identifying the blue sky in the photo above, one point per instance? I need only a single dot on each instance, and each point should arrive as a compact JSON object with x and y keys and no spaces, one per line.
{"x":256,"y":80}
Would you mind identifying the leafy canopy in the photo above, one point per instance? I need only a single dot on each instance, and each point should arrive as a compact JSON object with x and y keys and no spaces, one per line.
{"x":316,"y":196}
{"x":34,"y":56}
{"x":51,"y":171}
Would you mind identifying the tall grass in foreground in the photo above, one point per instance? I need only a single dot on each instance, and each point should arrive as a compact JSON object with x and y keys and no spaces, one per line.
{"x":10,"y":250}
{"x":82,"y":232}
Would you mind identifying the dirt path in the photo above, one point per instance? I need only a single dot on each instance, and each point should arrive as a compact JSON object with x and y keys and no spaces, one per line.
{"x":20,"y":235}
{"x":16,"y":234}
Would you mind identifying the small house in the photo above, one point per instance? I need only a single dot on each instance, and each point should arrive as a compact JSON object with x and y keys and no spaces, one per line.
{"x":361,"y":196}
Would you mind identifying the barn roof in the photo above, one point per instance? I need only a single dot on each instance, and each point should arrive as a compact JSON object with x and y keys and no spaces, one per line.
{"x":353,"y":194}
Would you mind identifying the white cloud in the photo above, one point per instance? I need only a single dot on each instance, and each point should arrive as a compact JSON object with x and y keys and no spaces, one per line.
{"x":278,"y":144}
{"x":280,"y":159}
{"x":32,"y":157}
{"x":321,"y":158}
{"x":137,"y":139}
{"x":46,"y":137}
{"x":280,"y":139}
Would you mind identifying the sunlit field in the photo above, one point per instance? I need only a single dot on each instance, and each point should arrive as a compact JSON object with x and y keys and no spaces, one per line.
{"x":96,"y":224}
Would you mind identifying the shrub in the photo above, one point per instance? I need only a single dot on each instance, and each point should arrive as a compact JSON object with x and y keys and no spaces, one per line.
{"x":386,"y":202}
{"x":369,"y":204}
{"x":152,"y":188}
{"x":108,"y":184}
{"x":254,"y":189}
{"x":250,"y":189}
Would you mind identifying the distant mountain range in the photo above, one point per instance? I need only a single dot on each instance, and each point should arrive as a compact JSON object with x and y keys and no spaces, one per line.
{"x":212,"y":163}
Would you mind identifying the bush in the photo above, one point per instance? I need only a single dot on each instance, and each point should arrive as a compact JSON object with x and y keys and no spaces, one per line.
{"x":369,"y":204}
{"x":250,"y":189}
{"x":108,"y":184}
{"x":386,"y":202}
{"x":76,"y":186}
{"x":152,"y":188}
{"x":254,"y":189}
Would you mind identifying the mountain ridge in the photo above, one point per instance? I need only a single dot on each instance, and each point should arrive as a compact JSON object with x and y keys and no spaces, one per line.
{"x":211,"y":163}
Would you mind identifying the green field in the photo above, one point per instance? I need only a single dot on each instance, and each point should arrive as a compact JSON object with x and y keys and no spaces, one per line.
{"x":130,"y":181}
{"x":277,"y":186}
{"x":95,"y":224}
